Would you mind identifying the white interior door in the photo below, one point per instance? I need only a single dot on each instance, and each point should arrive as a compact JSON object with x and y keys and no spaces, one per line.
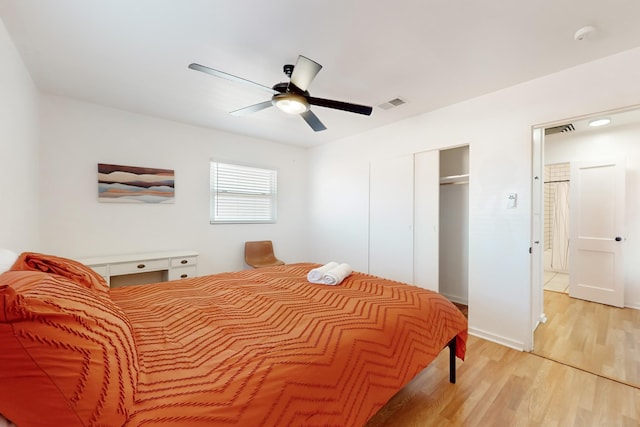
{"x":426,"y":219}
{"x":597,"y":202}
{"x":391,"y":218}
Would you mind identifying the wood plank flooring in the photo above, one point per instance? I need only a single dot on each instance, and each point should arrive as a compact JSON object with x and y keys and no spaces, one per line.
{"x":499,"y":386}
{"x":598,"y":338}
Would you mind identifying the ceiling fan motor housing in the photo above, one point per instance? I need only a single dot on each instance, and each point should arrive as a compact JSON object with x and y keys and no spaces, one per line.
{"x":281,"y":87}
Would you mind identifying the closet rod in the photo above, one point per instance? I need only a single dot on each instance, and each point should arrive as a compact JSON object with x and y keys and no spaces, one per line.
{"x":454,"y":183}
{"x":561,"y":180}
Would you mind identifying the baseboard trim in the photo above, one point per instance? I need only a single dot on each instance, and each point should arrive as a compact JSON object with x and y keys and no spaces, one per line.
{"x":635,"y":306}
{"x":453,"y":298}
{"x":507,"y":342}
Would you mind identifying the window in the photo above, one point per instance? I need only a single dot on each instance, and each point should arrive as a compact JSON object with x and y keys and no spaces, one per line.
{"x":242,"y":194}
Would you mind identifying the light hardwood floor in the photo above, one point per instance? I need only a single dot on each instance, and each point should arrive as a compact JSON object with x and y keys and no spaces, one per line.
{"x":499,"y":386}
{"x":597,"y":338}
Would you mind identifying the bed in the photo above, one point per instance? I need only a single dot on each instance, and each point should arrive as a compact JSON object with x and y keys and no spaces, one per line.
{"x":259,"y":347}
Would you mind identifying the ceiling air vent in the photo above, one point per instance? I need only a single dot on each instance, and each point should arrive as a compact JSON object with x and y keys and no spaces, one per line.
{"x":395,"y":102}
{"x":559,"y":129}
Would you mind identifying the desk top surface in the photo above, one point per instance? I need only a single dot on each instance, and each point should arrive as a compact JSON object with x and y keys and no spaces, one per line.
{"x":142,"y":256}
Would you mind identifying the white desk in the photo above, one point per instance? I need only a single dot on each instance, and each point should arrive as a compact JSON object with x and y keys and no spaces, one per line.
{"x":144,"y":267}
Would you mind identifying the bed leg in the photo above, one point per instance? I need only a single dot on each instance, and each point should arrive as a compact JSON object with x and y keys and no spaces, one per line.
{"x":452,"y":360}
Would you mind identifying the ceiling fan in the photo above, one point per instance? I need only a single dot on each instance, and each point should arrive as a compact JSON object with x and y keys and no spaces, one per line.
{"x":291,"y":97}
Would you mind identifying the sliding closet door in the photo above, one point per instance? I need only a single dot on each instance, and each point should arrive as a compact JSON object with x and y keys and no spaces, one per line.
{"x":427,"y":219}
{"x":391,"y":218}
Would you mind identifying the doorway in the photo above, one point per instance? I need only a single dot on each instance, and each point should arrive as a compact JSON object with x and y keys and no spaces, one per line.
{"x":581,"y":333}
{"x":556,"y":226}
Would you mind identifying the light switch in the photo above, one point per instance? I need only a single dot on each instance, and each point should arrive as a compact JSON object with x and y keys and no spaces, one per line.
{"x":512,"y":200}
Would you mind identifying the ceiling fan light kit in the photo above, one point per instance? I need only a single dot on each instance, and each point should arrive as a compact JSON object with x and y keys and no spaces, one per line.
{"x":291,"y":97}
{"x":291,"y":103}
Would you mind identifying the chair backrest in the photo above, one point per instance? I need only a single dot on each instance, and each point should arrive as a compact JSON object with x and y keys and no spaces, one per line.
{"x":260,"y":254}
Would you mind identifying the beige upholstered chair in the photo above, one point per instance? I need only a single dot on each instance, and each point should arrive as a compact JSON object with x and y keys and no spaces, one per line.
{"x":260,"y":254}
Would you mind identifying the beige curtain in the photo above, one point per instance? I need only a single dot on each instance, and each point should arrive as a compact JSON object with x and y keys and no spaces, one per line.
{"x":560,"y":228}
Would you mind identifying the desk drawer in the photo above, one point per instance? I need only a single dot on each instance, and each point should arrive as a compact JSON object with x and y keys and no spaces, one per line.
{"x":183,"y":273}
{"x":182,"y":262}
{"x":139,"y":266}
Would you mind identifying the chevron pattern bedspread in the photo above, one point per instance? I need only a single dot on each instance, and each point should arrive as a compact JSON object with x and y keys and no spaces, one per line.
{"x":266,"y":348}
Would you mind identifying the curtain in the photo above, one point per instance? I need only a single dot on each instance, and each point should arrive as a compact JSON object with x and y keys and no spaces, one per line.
{"x":560,"y":228}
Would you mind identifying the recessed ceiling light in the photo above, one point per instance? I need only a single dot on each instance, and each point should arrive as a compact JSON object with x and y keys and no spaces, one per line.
{"x":599,"y":122}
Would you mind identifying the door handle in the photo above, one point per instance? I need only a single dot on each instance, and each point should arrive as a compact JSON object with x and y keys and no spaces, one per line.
{"x":618,"y":239}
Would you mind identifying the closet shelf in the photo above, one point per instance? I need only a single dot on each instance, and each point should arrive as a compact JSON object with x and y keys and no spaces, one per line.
{"x":454,"y":179}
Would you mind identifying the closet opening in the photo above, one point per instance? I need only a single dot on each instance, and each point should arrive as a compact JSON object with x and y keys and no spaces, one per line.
{"x":454,"y":226}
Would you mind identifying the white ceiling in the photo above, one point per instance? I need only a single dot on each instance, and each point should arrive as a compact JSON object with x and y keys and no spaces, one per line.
{"x":133,"y":54}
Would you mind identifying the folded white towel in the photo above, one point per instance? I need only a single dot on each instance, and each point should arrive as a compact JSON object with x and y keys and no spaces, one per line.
{"x":336,"y":275}
{"x":315,"y":275}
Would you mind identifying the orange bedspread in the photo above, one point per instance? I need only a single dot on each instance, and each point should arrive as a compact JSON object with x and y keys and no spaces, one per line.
{"x":265,"y":347}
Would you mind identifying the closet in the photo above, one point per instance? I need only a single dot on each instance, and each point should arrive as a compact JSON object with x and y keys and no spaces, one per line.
{"x":418,"y":220}
{"x":391,"y":218}
{"x":454,"y":224}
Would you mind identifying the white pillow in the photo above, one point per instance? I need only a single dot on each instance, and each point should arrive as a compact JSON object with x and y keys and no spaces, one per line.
{"x":7,"y":258}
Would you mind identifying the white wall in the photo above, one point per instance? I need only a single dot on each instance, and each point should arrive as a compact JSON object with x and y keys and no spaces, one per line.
{"x":497,"y":127}
{"x":615,"y":142}
{"x":76,"y":136}
{"x":19,"y":227}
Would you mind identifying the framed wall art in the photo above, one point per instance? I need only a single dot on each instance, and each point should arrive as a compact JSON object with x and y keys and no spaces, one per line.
{"x":131,"y":184}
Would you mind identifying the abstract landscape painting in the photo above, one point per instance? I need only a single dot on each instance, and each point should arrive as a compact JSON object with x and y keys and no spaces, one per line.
{"x":130,"y":184}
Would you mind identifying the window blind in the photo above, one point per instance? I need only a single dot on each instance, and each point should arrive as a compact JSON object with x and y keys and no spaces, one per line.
{"x":242,"y":194}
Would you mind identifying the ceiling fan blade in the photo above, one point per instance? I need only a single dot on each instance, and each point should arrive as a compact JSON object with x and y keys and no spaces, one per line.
{"x":231,"y":77}
{"x":313,"y":121}
{"x":304,"y":72}
{"x":339,"y":105}
{"x":252,"y":108}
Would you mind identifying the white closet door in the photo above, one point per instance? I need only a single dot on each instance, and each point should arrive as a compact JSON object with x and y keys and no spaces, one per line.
{"x":391,"y":218}
{"x":427,"y":219}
